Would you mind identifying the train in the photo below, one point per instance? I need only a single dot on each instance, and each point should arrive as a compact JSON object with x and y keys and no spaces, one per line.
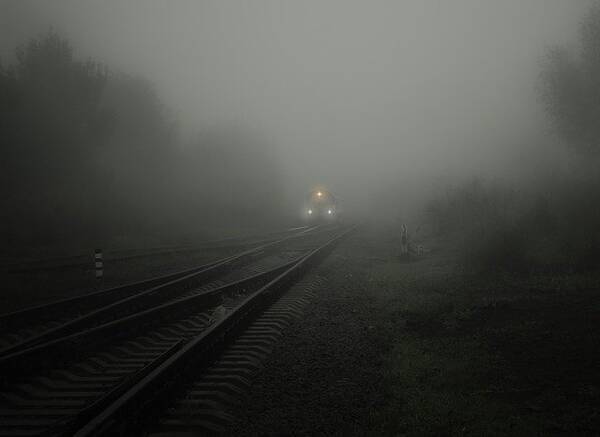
{"x":321,"y":205}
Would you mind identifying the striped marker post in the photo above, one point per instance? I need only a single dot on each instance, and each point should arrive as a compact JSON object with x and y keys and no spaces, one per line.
{"x":99,"y":263}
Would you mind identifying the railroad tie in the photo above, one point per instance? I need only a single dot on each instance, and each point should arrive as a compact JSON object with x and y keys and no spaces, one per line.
{"x":206,"y":408}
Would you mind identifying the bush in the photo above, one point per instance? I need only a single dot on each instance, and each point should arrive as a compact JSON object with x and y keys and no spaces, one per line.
{"x":499,"y":230}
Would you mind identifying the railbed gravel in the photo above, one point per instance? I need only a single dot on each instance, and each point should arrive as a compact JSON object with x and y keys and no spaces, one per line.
{"x":323,"y":376}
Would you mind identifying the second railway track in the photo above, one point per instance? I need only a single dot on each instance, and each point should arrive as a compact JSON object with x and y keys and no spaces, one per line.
{"x":25,"y":328}
{"x":83,"y":381}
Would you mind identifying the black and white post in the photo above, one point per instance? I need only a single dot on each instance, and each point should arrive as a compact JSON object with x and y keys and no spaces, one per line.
{"x":98,"y":258}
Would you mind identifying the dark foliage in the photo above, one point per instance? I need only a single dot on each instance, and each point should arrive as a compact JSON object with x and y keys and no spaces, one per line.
{"x":502,"y":230}
{"x":570,"y":88}
{"x":558,"y":230}
{"x":88,"y":155}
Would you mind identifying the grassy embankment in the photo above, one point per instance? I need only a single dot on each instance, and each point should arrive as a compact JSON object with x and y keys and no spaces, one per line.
{"x":484,"y":355}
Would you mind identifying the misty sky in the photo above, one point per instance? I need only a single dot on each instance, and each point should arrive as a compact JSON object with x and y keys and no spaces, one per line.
{"x":351,"y":92}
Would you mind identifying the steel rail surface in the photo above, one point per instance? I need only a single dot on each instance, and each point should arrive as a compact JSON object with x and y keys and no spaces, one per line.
{"x":69,"y":261}
{"x":156,"y":285}
{"x":63,"y":348}
{"x":200,"y":349}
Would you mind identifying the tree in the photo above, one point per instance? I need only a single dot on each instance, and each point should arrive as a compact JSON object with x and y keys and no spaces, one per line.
{"x":90,"y":155}
{"x":234,"y":176}
{"x":86,"y":153}
{"x":50,"y":121}
{"x":570,"y":88}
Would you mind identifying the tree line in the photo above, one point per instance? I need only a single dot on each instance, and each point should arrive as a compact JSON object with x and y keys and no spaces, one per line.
{"x":556,"y":229}
{"x":90,"y":154}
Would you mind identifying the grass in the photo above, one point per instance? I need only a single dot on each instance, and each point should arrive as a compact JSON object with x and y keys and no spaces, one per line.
{"x":486,"y":355}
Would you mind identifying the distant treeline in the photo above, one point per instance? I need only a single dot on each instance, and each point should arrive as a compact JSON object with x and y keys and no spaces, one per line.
{"x":89,"y":154}
{"x":557,"y":228}
{"x":498,"y":228}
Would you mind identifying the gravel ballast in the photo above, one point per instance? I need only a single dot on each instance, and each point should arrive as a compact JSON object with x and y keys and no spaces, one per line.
{"x":323,"y":376}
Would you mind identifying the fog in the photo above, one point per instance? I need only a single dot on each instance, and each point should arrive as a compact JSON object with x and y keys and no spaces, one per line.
{"x":379,"y":101}
{"x":299,"y":217}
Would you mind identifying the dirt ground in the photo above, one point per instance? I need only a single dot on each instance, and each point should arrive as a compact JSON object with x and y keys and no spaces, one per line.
{"x":391,"y":347}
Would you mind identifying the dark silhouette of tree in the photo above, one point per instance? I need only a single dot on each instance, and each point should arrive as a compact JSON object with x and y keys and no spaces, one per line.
{"x":49,"y":120}
{"x":570,"y":88}
{"x":233,"y":175}
{"x":88,"y":154}
{"x":141,"y":154}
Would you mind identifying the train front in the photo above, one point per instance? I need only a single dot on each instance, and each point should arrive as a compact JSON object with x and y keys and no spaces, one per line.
{"x":321,"y":206}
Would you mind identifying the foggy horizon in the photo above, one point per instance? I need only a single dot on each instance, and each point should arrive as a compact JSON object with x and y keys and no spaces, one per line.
{"x":401,"y":89}
{"x":300,"y":217}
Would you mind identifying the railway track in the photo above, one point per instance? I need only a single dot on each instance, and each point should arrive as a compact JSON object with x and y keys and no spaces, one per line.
{"x":25,"y":328}
{"x":87,"y":380}
{"x":206,"y":403}
{"x":118,"y":255}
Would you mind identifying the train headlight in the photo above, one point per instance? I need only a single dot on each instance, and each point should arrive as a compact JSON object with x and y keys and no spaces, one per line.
{"x":319,"y":194}
{"x":310,"y":212}
{"x":329,"y":212}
